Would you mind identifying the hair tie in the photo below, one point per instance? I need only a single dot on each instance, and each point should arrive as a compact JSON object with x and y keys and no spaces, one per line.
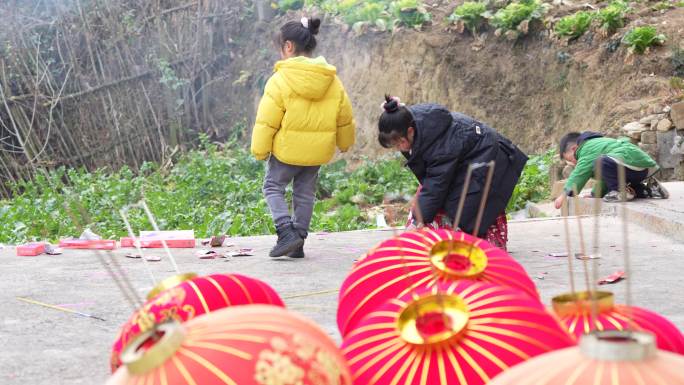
{"x":394,"y":99}
{"x":305,"y":22}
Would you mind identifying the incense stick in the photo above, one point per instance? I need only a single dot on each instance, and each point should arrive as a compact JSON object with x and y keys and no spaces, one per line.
{"x":60,"y":308}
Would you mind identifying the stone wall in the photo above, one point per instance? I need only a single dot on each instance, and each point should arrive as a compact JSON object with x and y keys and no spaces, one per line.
{"x":661,"y":135}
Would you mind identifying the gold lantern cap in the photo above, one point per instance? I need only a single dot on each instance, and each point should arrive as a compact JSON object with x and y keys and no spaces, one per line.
{"x":433,"y":318}
{"x":170,"y":282}
{"x":618,"y":345}
{"x":140,"y":361}
{"x":459,"y":259}
{"x":582,"y":302}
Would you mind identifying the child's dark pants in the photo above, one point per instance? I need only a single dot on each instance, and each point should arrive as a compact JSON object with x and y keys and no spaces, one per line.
{"x":609,"y":175}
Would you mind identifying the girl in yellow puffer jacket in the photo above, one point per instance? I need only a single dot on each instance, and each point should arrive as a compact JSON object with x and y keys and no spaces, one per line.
{"x":303,"y":115}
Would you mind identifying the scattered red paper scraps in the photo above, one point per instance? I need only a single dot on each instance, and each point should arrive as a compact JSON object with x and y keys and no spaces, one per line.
{"x":207,"y":254}
{"x":613,"y":278}
{"x":31,"y":249}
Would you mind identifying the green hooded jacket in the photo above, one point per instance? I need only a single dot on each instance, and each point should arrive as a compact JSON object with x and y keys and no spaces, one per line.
{"x":591,"y":146}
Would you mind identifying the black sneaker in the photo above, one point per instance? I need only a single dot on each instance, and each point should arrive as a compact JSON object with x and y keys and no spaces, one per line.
{"x":289,"y":240}
{"x":615,"y":196}
{"x":299,"y":253}
{"x":656,"y":189}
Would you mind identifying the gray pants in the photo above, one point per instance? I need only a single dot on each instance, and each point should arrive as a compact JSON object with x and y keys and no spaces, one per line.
{"x":278,"y":176}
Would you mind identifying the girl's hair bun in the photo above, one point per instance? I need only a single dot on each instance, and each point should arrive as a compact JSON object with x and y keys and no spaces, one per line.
{"x":314,"y":25}
{"x":391,"y":104}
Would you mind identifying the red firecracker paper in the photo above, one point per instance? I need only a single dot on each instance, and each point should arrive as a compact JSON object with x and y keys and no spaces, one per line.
{"x":31,"y":249}
{"x":613,"y":278}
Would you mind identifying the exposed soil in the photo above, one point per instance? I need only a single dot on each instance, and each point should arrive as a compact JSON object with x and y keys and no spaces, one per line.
{"x":533,"y":89}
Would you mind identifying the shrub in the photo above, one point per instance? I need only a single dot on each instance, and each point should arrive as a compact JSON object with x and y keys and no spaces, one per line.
{"x":612,"y":17}
{"x":640,"y":38}
{"x":574,"y":26}
{"x":514,"y":14}
{"x":410,"y":13}
{"x":533,"y":184}
{"x":366,"y":12}
{"x":471,"y":14}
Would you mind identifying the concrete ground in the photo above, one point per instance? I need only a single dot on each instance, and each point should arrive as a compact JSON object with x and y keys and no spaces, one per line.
{"x":664,"y":216}
{"x":46,"y":346}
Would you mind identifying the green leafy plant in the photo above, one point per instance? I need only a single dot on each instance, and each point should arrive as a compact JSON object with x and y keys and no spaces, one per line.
{"x":641,"y":38}
{"x":411,"y":13}
{"x":662,"y":6}
{"x":168,"y":76}
{"x":533,"y":185}
{"x":371,"y":12}
{"x":510,"y":17}
{"x":211,"y":190}
{"x":574,"y":26}
{"x":471,"y":14}
{"x":612,"y":17}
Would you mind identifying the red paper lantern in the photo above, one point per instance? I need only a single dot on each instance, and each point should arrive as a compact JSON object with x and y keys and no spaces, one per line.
{"x":423,"y":258}
{"x":575,"y":310}
{"x":183,"y":297}
{"x":602,"y":358}
{"x":245,"y":345}
{"x":464,"y":332}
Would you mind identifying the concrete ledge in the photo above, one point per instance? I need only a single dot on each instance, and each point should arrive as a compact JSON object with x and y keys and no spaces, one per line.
{"x":663,"y":216}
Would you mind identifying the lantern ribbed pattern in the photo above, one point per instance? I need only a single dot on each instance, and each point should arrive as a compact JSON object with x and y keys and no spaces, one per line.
{"x":464,"y":332}
{"x":183,"y":297}
{"x":423,"y":258}
{"x":575,"y":311}
{"x":626,"y":358}
{"x":241,"y":345}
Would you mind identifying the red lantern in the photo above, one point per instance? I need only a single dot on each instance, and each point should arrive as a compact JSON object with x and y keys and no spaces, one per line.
{"x":463,"y":332}
{"x":575,"y":310}
{"x":183,"y":297}
{"x":602,"y":358}
{"x":245,"y":345}
{"x":423,"y":258}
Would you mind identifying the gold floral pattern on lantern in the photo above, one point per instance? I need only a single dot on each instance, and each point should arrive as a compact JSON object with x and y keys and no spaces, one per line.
{"x":287,"y":363}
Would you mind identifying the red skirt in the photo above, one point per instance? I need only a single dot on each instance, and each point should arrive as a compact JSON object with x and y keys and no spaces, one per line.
{"x":497,"y":233}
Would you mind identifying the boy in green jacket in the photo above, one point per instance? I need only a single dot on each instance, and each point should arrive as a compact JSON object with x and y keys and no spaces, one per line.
{"x":590,"y":149}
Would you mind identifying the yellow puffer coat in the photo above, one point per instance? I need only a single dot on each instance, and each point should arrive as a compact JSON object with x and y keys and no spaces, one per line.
{"x":304,"y":113}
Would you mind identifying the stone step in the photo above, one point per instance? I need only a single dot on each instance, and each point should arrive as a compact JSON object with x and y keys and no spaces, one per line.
{"x":663,"y":216}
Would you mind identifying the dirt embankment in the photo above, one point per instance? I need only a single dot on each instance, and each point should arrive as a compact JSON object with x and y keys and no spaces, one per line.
{"x":533,"y":89}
